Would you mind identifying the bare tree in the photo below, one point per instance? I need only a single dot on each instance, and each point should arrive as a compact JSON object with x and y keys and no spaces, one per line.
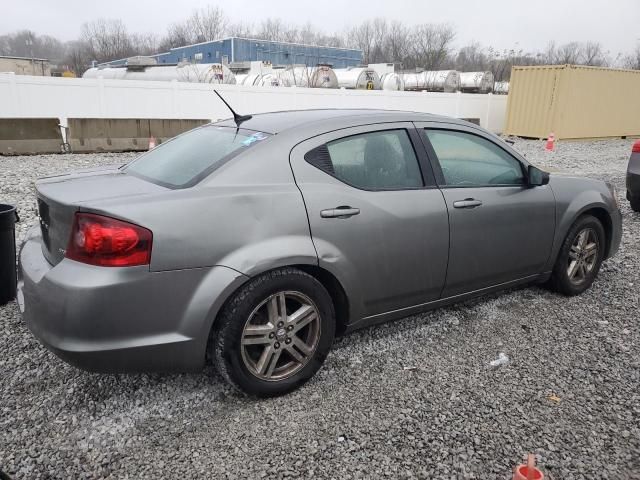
{"x":106,"y":40}
{"x":25,"y":43}
{"x":593,"y":54}
{"x":203,"y":25}
{"x":633,"y":59}
{"x":361,"y":37}
{"x":569,"y":53}
{"x":272,"y":29}
{"x":308,"y":34}
{"x":334,"y":40}
{"x":76,"y":57}
{"x":178,"y":35}
{"x":291,"y":34}
{"x":398,"y":42}
{"x":145,"y":43}
{"x":472,"y":58}
{"x":380,"y":34}
{"x":208,"y":24}
{"x":432,"y":44}
{"x":549,"y":55}
{"x":240,"y":29}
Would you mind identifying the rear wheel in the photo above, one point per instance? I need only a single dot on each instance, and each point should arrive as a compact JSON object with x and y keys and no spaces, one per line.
{"x":635,"y":204}
{"x":274,"y":334}
{"x":580,"y":257}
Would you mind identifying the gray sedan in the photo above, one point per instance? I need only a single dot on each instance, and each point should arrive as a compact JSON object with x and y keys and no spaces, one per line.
{"x":252,"y":246}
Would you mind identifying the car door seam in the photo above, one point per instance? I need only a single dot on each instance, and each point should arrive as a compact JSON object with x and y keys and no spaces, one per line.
{"x":306,"y":209}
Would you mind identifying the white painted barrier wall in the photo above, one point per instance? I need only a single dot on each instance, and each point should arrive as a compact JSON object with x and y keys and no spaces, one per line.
{"x":35,"y":97}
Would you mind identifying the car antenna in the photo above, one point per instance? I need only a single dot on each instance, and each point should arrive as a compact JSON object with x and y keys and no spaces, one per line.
{"x":238,"y":119}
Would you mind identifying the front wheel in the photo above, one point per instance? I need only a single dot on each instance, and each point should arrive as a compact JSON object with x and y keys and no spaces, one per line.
{"x":274,"y":333}
{"x":580,"y":257}
{"x":635,"y":204}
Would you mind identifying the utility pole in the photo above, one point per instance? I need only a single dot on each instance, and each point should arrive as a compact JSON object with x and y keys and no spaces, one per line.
{"x":29,"y":43}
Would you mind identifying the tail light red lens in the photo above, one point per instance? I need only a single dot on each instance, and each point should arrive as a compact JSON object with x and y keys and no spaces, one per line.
{"x":108,"y":242}
{"x":636,"y":147}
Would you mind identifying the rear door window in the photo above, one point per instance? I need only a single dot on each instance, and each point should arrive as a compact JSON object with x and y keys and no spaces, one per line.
{"x":381,"y":160}
{"x":188,"y":158}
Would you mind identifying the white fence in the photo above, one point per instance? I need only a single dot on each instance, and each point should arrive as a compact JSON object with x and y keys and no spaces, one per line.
{"x":37,"y":97}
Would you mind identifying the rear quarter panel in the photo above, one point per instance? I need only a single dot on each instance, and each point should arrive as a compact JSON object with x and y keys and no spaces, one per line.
{"x":248,"y":215}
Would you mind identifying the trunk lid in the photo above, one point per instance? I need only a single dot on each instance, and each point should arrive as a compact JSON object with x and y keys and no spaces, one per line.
{"x":60,"y":196}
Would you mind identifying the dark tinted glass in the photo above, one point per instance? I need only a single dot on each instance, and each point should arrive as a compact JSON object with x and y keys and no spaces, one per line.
{"x":382,"y":160}
{"x":188,"y":158}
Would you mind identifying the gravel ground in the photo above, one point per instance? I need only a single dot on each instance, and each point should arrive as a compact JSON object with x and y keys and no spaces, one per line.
{"x":414,"y":398}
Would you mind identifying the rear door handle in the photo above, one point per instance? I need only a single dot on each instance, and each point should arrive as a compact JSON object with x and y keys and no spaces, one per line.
{"x":467,"y":203}
{"x":339,"y":212}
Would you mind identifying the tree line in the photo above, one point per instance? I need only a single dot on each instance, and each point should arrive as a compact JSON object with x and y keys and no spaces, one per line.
{"x":424,"y":46}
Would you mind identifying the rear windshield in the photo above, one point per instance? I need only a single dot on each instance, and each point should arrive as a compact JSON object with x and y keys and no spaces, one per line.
{"x":185,"y":160}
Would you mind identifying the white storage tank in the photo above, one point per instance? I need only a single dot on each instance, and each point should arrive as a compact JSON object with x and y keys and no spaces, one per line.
{"x":359,"y":78}
{"x":321,"y":76}
{"x":271,"y":79}
{"x":501,"y":88}
{"x":392,"y":81}
{"x":250,"y":79}
{"x":240,"y":78}
{"x":441,"y":80}
{"x":413,"y":81}
{"x":433,"y":81}
{"x":215,"y":73}
{"x":476,"y":82}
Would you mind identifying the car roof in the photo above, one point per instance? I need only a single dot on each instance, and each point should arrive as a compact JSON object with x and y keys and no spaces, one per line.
{"x":279,"y":122}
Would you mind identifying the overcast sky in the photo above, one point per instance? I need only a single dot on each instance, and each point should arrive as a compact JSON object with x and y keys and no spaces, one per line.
{"x":499,"y":23}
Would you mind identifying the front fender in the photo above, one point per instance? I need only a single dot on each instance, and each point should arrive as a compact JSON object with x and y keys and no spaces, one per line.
{"x":576,"y":196}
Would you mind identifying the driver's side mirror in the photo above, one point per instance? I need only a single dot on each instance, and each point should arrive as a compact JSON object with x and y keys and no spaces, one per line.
{"x":536,"y":177}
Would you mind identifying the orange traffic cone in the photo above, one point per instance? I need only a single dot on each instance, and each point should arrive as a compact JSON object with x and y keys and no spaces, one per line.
{"x":551,"y":142}
{"x":152,"y":142}
{"x":528,"y":471}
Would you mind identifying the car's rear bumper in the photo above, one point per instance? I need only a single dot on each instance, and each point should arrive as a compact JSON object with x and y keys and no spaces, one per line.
{"x":120,"y":319}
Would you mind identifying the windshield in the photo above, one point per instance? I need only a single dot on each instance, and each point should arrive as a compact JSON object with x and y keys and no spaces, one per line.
{"x":188,"y":158}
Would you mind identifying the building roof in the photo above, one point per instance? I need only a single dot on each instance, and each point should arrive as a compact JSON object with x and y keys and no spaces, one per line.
{"x":25,"y":58}
{"x":310,"y":45}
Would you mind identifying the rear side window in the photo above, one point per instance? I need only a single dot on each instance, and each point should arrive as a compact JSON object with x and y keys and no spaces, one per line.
{"x":383,"y":160}
{"x":185,"y":160}
{"x":470,"y":160}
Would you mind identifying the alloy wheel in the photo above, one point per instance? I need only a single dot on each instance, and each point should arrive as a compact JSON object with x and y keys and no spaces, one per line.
{"x":583,"y":256}
{"x":280,"y":336}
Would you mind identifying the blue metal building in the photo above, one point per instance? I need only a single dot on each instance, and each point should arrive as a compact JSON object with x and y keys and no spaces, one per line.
{"x":235,"y":49}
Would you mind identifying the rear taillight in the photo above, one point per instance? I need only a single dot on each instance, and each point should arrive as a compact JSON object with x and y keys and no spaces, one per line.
{"x":105,"y":241}
{"x":636,"y":147}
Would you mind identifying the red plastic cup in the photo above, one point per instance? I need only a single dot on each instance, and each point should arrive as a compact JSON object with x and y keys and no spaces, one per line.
{"x":529,"y":471}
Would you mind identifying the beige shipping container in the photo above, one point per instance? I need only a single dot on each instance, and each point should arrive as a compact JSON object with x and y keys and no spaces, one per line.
{"x":573,"y":102}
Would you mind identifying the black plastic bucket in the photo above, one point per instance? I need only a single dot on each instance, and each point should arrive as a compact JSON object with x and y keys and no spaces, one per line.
{"x":8,"y":219}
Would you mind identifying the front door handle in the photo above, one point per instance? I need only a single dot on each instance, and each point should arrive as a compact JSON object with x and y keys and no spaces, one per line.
{"x":339,"y":212}
{"x":467,"y":203}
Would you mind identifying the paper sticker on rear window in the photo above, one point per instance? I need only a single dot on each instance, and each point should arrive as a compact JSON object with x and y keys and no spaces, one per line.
{"x":256,"y":137}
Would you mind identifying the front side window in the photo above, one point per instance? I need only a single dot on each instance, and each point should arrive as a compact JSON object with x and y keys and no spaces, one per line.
{"x":188,"y":158}
{"x":382,"y":160}
{"x":470,"y":160}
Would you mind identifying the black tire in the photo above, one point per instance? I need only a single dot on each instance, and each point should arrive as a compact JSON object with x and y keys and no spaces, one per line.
{"x":635,"y":204}
{"x":225,"y":343}
{"x":560,"y":281}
